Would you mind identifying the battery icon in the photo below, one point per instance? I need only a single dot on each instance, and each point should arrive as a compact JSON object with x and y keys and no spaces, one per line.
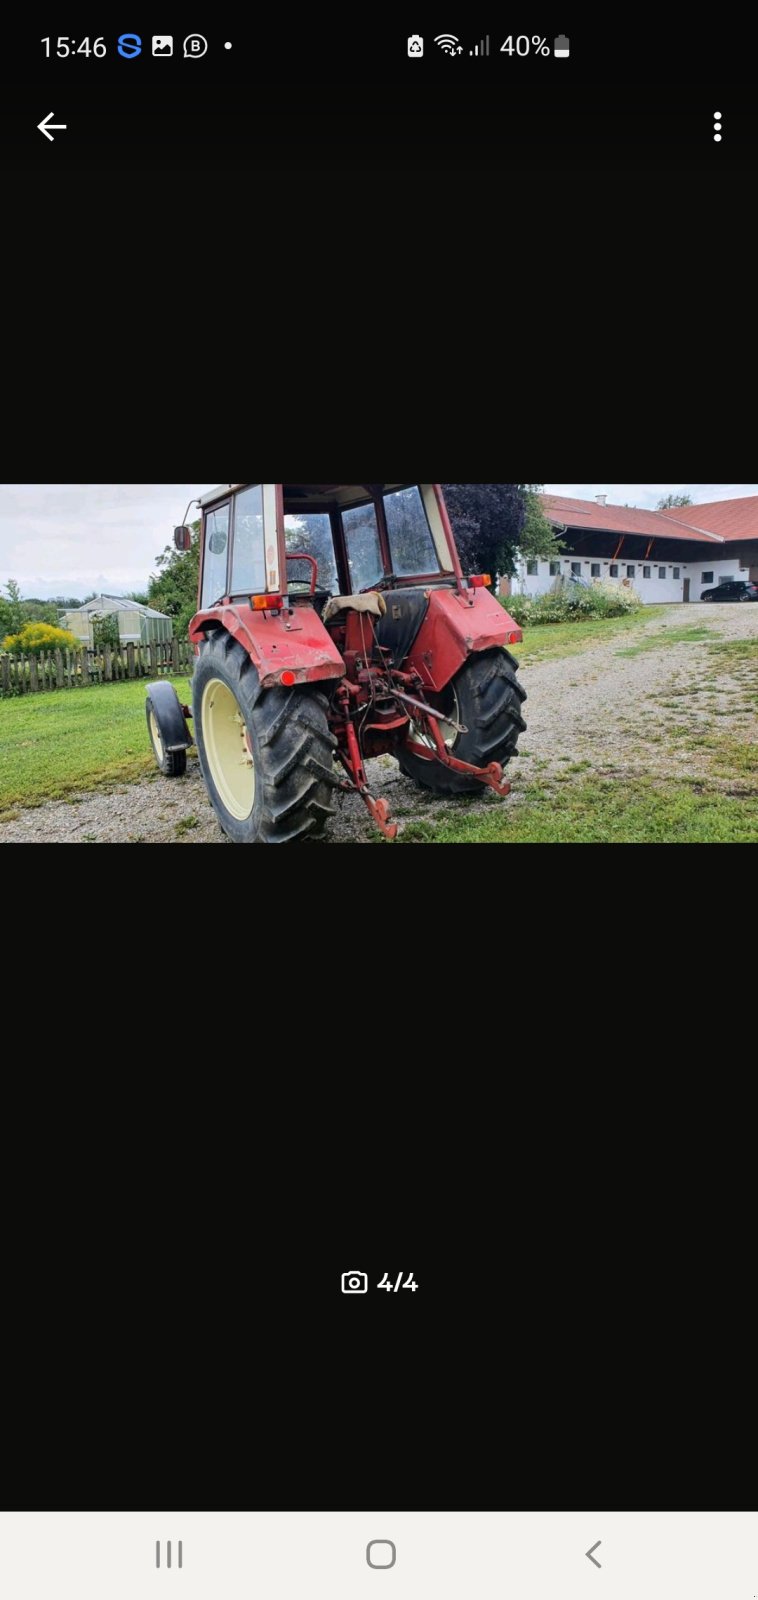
{"x":561,"y":45}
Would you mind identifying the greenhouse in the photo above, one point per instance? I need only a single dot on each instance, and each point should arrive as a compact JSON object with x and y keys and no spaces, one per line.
{"x":137,"y":624}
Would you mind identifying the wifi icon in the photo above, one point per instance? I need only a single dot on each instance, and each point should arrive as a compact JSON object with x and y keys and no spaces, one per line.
{"x":449,"y":43}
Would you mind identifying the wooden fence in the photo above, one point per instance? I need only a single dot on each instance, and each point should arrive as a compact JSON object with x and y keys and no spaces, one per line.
{"x":72,"y":669}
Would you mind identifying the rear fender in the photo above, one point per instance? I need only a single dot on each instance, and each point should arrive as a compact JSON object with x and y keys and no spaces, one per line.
{"x":458,"y":626}
{"x":276,"y":641}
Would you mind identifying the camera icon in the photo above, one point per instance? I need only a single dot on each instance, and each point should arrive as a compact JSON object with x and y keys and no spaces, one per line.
{"x":355,"y":1283}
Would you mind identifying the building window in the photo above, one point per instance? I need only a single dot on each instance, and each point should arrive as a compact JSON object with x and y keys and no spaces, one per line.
{"x":662,"y":572}
{"x":647,"y":572}
{"x":532,"y":568}
{"x":706,"y":577}
{"x":614,"y":569}
{"x":631,"y":572}
{"x":677,"y":572}
{"x":596,"y":569}
{"x":555,"y":569}
{"x":576,"y":568}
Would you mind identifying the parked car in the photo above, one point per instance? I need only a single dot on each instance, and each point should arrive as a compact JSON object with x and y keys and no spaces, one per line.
{"x":735,"y":589}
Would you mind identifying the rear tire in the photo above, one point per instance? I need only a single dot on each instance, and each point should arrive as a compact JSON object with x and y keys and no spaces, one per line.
{"x":266,"y":754}
{"x":488,"y":698}
{"x":172,"y":763}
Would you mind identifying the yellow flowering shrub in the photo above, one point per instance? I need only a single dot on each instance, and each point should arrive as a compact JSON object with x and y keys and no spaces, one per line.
{"x":37,"y":637}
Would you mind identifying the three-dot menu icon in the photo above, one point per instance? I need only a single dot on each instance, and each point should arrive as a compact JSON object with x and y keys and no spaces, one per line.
{"x":717,"y":126}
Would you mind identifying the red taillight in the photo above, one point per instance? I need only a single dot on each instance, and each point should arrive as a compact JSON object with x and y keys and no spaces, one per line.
{"x":481,"y":581}
{"x":516,"y":637}
{"x":266,"y":602}
{"x":288,"y":678}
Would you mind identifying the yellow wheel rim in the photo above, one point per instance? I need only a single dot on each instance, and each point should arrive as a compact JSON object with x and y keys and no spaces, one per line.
{"x":227,"y":749}
{"x":156,"y":733}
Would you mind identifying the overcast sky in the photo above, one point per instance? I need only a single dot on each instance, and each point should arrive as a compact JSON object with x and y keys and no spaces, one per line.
{"x":647,"y":495}
{"x":75,"y":538}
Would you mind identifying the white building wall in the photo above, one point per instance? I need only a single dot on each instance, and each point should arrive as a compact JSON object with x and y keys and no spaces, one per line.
{"x":655,"y":590}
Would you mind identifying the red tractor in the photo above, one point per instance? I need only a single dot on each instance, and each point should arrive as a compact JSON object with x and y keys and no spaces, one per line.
{"x":336,"y":624}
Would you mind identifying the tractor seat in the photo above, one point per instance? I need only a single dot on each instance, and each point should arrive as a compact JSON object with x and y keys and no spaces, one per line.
{"x":372,"y":604}
{"x":401,"y":624}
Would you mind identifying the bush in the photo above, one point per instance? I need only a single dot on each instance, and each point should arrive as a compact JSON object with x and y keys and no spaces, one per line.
{"x":518,"y":606}
{"x":105,"y":630}
{"x":570,"y":602}
{"x":36,"y":637}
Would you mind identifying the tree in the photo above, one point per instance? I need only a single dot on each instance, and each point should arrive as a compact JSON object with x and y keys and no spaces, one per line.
{"x":671,"y":501}
{"x":539,"y":540}
{"x":495,"y":522}
{"x":139,"y":597}
{"x":11,"y":609}
{"x":174,"y":588}
{"x":40,"y":611}
{"x":105,"y":630}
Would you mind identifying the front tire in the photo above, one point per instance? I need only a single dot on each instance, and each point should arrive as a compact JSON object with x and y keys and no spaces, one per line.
{"x":172,"y":763}
{"x":486,"y":698}
{"x":266,"y":754}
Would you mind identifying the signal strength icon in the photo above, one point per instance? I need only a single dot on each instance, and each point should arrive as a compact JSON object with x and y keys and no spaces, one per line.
{"x":449,"y":43}
{"x":481,"y":49}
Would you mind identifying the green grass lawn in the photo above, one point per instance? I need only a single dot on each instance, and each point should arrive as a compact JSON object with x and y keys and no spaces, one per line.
{"x":52,"y":744}
{"x":573,"y":638}
{"x":603,"y":811}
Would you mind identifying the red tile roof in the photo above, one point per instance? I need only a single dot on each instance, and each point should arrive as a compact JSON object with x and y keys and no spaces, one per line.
{"x":730,"y":519}
{"x":626,"y":519}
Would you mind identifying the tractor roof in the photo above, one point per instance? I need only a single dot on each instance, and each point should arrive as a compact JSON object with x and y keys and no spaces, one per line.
{"x":221,"y":493}
{"x":330,"y":492}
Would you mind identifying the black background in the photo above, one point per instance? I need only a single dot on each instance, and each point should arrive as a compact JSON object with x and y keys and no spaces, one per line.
{"x":174,"y":1332}
{"x":296,"y":253}
{"x":316,"y":244}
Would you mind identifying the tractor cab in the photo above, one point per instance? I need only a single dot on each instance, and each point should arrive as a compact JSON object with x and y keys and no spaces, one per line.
{"x":335,"y":624}
{"x":366,"y":537}
{"x":318,"y":541}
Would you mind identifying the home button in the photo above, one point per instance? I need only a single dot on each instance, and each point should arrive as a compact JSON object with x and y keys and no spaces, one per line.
{"x":381,"y":1554}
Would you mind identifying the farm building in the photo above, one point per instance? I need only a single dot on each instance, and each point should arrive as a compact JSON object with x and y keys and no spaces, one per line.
{"x":665,"y":555}
{"x":136,"y":624}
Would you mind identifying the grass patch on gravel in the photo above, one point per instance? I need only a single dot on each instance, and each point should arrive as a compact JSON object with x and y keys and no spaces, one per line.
{"x":739,"y":650}
{"x":573,"y":638}
{"x":52,"y":744}
{"x":740,"y":658}
{"x":661,"y":641}
{"x":597,"y":811}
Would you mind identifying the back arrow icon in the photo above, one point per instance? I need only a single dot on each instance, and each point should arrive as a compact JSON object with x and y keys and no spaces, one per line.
{"x":590,"y":1556}
{"x":45,"y":125}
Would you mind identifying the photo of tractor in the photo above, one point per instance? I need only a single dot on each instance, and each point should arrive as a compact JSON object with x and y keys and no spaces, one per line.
{"x":334,"y":625}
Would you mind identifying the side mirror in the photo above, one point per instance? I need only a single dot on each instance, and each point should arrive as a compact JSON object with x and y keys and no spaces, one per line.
{"x":183,"y":538}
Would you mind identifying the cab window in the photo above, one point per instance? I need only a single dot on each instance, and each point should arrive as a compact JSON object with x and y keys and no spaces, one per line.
{"x":309,"y":533}
{"x":249,"y":553}
{"x":364,"y":551}
{"x":411,"y":544}
{"x":215,"y":555}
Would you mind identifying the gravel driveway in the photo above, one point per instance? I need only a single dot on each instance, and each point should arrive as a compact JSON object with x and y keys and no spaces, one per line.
{"x":617,"y":714}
